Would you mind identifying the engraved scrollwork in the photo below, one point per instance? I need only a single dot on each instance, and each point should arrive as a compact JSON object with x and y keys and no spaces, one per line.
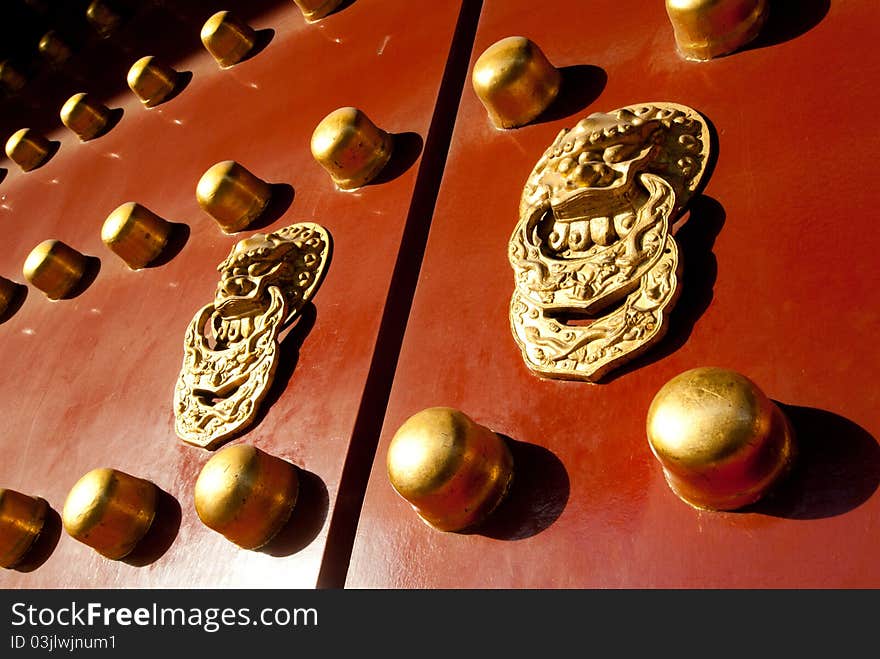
{"x":596,"y":267}
{"x":231,"y":345}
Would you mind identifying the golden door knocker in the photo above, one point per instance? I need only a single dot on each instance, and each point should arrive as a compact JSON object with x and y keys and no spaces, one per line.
{"x":595,"y":264}
{"x":230,"y":350}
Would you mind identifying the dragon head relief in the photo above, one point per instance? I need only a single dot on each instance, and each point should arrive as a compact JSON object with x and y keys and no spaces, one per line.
{"x":594,"y":227}
{"x":230,"y":347}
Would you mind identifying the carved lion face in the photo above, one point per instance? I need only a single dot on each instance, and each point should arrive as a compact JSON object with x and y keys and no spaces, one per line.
{"x":594,"y":223}
{"x":264,"y":282}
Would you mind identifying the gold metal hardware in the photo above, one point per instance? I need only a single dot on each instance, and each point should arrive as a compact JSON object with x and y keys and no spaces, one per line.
{"x":246,"y":495}
{"x":594,"y":231}
{"x":54,"y":49}
{"x":85,"y":116}
{"x":135,"y":234}
{"x":8,"y":293}
{"x":228,"y":39}
{"x":103,"y":17}
{"x":110,"y":511}
{"x":27,"y":149}
{"x":514,"y":81}
{"x":11,"y":78}
{"x":264,"y":283}
{"x":21,"y":521}
{"x":452,"y":471}
{"x":350,"y":147}
{"x":232,"y":195}
{"x":721,"y":442}
{"x":55,"y":268}
{"x":709,"y":28}
{"x":151,"y":80}
{"x":314,"y":10}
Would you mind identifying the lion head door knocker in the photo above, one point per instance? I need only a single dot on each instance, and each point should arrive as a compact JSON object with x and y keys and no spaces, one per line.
{"x":595,"y":263}
{"x":230,"y":350}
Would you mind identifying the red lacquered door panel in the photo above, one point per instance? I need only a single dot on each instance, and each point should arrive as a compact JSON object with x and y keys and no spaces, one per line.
{"x":88,"y":382}
{"x":780,"y":283}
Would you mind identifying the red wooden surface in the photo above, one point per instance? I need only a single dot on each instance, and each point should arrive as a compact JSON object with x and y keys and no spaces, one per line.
{"x":88,"y":381}
{"x":780,"y":283}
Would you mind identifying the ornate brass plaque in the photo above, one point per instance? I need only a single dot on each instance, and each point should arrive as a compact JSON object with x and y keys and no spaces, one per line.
{"x":595,"y":264}
{"x":230,"y":350}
